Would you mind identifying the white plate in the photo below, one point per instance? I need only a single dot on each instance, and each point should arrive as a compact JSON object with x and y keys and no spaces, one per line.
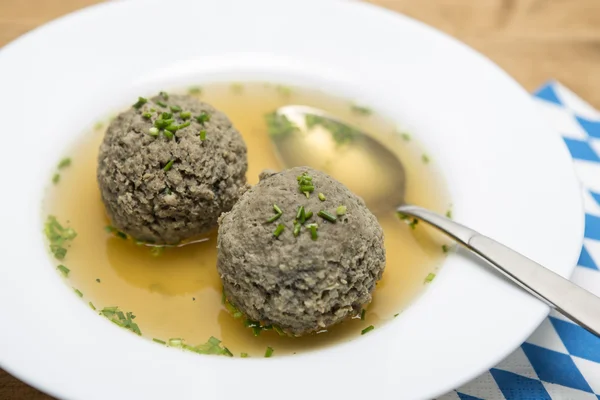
{"x":510,"y":177}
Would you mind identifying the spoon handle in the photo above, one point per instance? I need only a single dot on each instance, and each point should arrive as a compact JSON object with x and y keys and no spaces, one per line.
{"x":576,"y":303}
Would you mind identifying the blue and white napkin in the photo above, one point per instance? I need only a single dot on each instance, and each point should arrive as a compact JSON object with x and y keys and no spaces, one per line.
{"x":560,"y":361}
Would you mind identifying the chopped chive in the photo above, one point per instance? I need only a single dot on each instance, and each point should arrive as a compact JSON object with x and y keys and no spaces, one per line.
{"x":185,"y":115}
{"x":362,"y":314}
{"x":277,"y":215}
{"x":425,"y":158}
{"x":297,"y":228}
{"x":153,"y":131}
{"x":175,"y":108}
{"x":301,"y":215}
{"x":313,"y":231}
{"x":223,"y":297}
{"x":166,"y":115}
{"x":278,"y":330}
{"x":92,"y":306}
{"x":195,"y":90}
{"x":444,"y":248}
{"x":193,"y":299}
{"x":327,"y":216}
{"x":159,"y":341}
{"x":341,"y":210}
{"x":358,"y":110}
{"x":160,"y":103}
{"x":278,"y":230}
{"x":429,"y":277}
{"x":413,"y":223}
{"x":203,"y":135}
{"x":98,"y":126}
{"x":237,"y":88}
{"x":402,"y":216}
{"x":78,"y":292}
{"x":269,"y":352}
{"x":147,"y":115}
{"x":226,"y":352}
{"x":157,"y":251}
{"x":322,"y":197}
{"x":244,"y":355}
{"x":98,"y":280}
{"x":277,"y":209}
{"x":449,"y":214}
{"x":203,"y":117}
{"x":141,"y":101}
{"x":65,"y":162}
{"x":367,"y":329}
{"x":175,"y":342}
{"x":55,"y":178}
{"x":58,"y":251}
{"x":168,"y":134}
{"x":64,"y":270}
{"x":307,"y":188}
{"x":309,"y":214}
{"x":164,"y":95}
{"x":395,"y":315}
{"x":405,"y":136}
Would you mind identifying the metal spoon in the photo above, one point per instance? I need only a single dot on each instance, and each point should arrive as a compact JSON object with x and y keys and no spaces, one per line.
{"x":307,"y":136}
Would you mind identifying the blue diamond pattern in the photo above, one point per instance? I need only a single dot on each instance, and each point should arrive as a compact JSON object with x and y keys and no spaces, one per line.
{"x":591,"y":127}
{"x":592,"y":227}
{"x":549,"y":94}
{"x":577,"y":340}
{"x":581,"y":150}
{"x":517,"y":387}
{"x":554,"y":367}
{"x":585,"y":260}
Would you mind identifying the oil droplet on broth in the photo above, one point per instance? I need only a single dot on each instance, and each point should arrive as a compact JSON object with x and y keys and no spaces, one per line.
{"x":178,"y":294}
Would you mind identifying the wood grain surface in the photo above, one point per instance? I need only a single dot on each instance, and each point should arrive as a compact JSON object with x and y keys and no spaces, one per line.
{"x":533,"y":40}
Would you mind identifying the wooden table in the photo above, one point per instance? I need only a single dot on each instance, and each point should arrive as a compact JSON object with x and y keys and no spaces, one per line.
{"x":533,"y":40}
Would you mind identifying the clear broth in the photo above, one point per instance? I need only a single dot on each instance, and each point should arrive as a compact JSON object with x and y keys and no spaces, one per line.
{"x":178,"y":294}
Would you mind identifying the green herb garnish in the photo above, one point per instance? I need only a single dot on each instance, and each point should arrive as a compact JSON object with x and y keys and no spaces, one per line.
{"x":185,"y":115}
{"x":313,"y":231}
{"x":168,"y":134}
{"x":202,"y":135}
{"x":115,"y":231}
{"x":367,"y":329}
{"x":279,"y":125}
{"x":169,"y":165}
{"x":167,"y":116}
{"x":362,"y":314}
{"x":159,"y":341}
{"x":237,"y":88}
{"x":395,"y":315}
{"x":429,"y":277}
{"x":301,"y":215}
{"x":341,"y":210}
{"x":58,"y":236}
{"x":444,"y":248}
{"x":147,"y":115}
{"x":359,"y":110}
{"x":92,"y":306}
{"x":327,"y":216}
{"x":98,"y":126}
{"x":244,"y":355}
{"x":413,"y":223}
{"x":156,"y":251}
{"x":269,"y":352}
{"x":98,"y":280}
{"x":322,"y":197}
{"x":340,"y":133}
{"x":164,"y":95}
{"x":203,"y":117}
{"x":279,"y":230}
{"x":308,"y":215}
{"x":124,"y":320}
{"x":78,"y":292}
{"x":141,"y":101}
{"x":297,"y":228}
{"x":278,"y":213}
{"x":195,"y":90}
{"x":65,"y":162}
{"x":449,"y":214}
{"x":160,"y":103}
{"x":153,"y":131}
{"x":405,"y":136}
{"x":305,"y":184}
{"x":55,"y":178}
{"x":425,"y":158}
{"x":64,"y":270}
